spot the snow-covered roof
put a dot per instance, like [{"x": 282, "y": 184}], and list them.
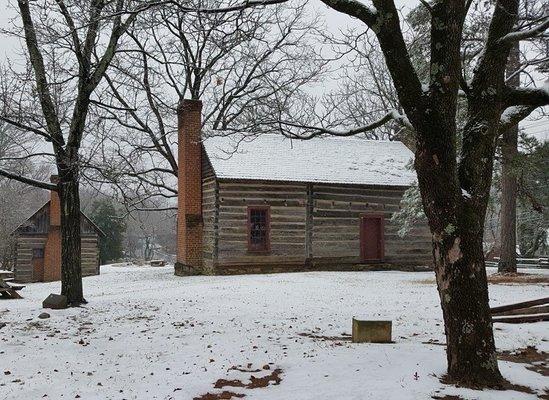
[{"x": 323, "y": 159}]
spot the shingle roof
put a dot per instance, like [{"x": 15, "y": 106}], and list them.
[{"x": 324, "y": 159}]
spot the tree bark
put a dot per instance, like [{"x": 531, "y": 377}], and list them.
[
  {"x": 71, "y": 267},
  {"x": 455, "y": 193},
  {"x": 463, "y": 290},
  {"x": 456, "y": 220},
  {"x": 509, "y": 151}
]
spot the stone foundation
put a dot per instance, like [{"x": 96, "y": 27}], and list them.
[
  {"x": 281, "y": 268},
  {"x": 181, "y": 269}
]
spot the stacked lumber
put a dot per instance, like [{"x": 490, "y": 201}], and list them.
[{"x": 523, "y": 312}]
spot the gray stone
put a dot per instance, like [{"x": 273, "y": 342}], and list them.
[
  {"x": 44, "y": 315},
  {"x": 55, "y": 302}
]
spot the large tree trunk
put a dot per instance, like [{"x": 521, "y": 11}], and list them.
[
  {"x": 456, "y": 219},
  {"x": 509, "y": 150},
  {"x": 463, "y": 290},
  {"x": 71, "y": 270}
]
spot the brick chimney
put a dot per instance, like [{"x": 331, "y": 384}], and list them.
[
  {"x": 189, "y": 209},
  {"x": 55, "y": 204},
  {"x": 52, "y": 248}
]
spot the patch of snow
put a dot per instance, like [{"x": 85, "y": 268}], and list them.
[
  {"x": 545, "y": 87},
  {"x": 147, "y": 334},
  {"x": 465, "y": 193}
]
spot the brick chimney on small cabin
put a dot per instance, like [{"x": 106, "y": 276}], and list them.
[
  {"x": 52, "y": 248},
  {"x": 189, "y": 198},
  {"x": 55, "y": 204}
]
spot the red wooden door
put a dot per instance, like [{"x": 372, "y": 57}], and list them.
[
  {"x": 38, "y": 265},
  {"x": 371, "y": 238}
]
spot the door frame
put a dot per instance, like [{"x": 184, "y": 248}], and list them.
[{"x": 381, "y": 243}]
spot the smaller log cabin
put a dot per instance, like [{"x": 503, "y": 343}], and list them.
[
  {"x": 270, "y": 204},
  {"x": 38, "y": 241}
]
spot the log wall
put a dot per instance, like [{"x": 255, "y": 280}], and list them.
[
  {"x": 90, "y": 255},
  {"x": 23, "y": 263},
  {"x": 336, "y": 225},
  {"x": 313, "y": 226},
  {"x": 287, "y": 229},
  {"x": 23, "y": 271},
  {"x": 210, "y": 213}
]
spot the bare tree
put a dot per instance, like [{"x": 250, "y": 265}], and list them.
[
  {"x": 69, "y": 46},
  {"x": 530, "y": 11},
  {"x": 241, "y": 63},
  {"x": 454, "y": 181},
  {"x": 367, "y": 92},
  {"x": 17, "y": 200},
  {"x": 509, "y": 151}
]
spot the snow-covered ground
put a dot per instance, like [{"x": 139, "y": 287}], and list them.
[{"x": 147, "y": 334}]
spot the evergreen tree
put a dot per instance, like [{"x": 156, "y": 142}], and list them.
[
  {"x": 106, "y": 217},
  {"x": 533, "y": 185}
]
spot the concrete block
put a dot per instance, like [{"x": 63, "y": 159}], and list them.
[{"x": 365, "y": 331}]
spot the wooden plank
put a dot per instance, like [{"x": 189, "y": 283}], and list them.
[
  {"x": 525, "y": 311},
  {"x": 259, "y": 260},
  {"x": 246, "y": 185},
  {"x": 242, "y": 247},
  {"x": 9, "y": 293},
  {"x": 231, "y": 220},
  {"x": 331, "y": 201},
  {"x": 272, "y": 202},
  {"x": 259, "y": 196},
  {"x": 344, "y": 214},
  {"x": 521, "y": 319},
  {"x": 337, "y": 237},
  {"x": 240, "y": 212},
  {"x": 345, "y": 188},
  {"x": 516, "y": 306}
]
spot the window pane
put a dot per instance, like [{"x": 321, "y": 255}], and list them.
[
  {"x": 258, "y": 229},
  {"x": 37, "y": 253}
]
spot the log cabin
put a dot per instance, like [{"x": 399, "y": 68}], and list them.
[
  {"x": 271, "y": 204},
  {"x": 38, "y": 244}
]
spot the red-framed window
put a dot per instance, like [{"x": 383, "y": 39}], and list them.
[
  {"x": 259, "y": 228},
  {"x": 372, "y": 237}
]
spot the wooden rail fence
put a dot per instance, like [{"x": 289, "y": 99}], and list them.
[{"x": 523, "y": 312}]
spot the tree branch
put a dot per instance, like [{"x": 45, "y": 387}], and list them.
[
  {"x": 37, "y": 61},
  {"x": 39, "y": 132},
  {"x": 392, "y": 115},
  {"x": 527, "y": 34},
  {"x": 28, "y": 181},
  {"x": 386, "y": 25},
  {"x": 355, "y": 9},
  {"x": 513, "y": 115},
  {"x": 535, "y": 97}
]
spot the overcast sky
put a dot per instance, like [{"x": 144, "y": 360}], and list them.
[{"x": 9, "y": 47}]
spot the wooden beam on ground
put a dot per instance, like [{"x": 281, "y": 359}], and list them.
[
  {"x": 522, "y": 319},
  {"x": 516, "y": 306},
  {"x": 525, "y": 311}
]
